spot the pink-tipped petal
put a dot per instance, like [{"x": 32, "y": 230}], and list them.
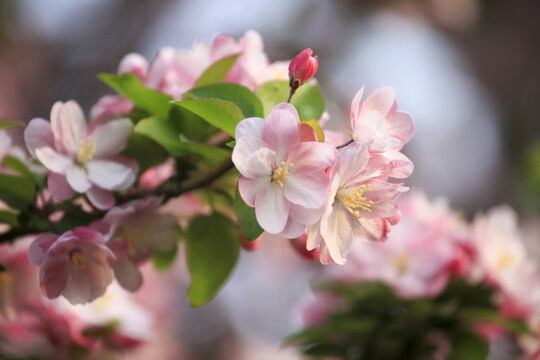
[
  {"x": 355, "y": 105},
  {"x": 401, "y": 127},
  {"x": 382, "y": 100},
  {"x": 248, "y": 189},
  {"x": 37, "y": 252},
  {"x": 59, "y": 187},
  {"x": 307, "y": 187},
  {"x": 312, "y": 154},
  {"x": 54, "y": 277},
  {"x": 135, "y": 64}
]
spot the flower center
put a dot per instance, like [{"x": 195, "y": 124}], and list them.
[
  {"x": 402, "y": 263},
  {"x": 77, "y": 258},
  {"x": 86, "y": 150},
  {"x": 505, "y": 260},
  {"x": 353, "y": 200},
  {"x": 138, "y": 238},
  {"x": 280, "y": 173}
]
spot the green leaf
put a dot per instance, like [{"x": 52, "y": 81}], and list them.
[
  {"x": 163, "y": 260},
  {"x": 493, "y": 316},
  {"x": 248, "y": 102},
  {"x": 308, "y": 99},
  {"x": 222, "y": 114},
  {"x": 314, "y": 124},
  {"x": 6, "y": 124},
  {"x": 146, "y": 151},
  {"x": 129, "y": 86},
  {"x": 218, "y": 71},
  {"x": 16, "y": 191},
  {"x": 15, "y": 164},
  {"x": 466, "y": 345},
  {"x": 7, "y": 217},
  {"x": 212, "y": 249},
  {"x": 165, "y": 133},
  {"x": 246, "y": 217}
]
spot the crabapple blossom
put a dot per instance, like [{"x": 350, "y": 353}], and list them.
[
  {"x": 282, "y": 177},
  {"x": 503, "y": 261},
  {"x": 75, "y": 264},
  {"x": 133, "y": 231},
  {"x": 302, "y": 68},
  {"x": 418, "y": 258},
  {"x": 359, "y": 206},
  {"x": 80, "y": 159},
  {"x": 376, "y": 120}
]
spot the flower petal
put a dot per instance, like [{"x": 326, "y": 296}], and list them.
[
  {"x": 37, "y": 252},
  {"x": 355, "y": 105},
  {"x": 101, "y": 198},
  {"x": 382, "y": 100},
  {"x": 68, "y": 126},
  {"x": 271, "y": 208},
  {"x": 54, "y": 276},
  {"x": 282, "y": 129},
  {"x": 78, "y": 179},
  {"x": 250, "y": 127},
  {"x": 307, "y": 187},
  {"x": 312, "y": 154},
  {"x": 337, "y": 232},
  {"x": 53, "y": 160},
  {"x": 293, "y": 229},
  {"x": 248, "y": 189},
  {"x": 38, "y": 134},
  {"x": 110, "y": 138},
  {"x": 108, "y": 174},
  {"x": 59, "y": 187},
  {"x": 127, "y": 274},
  {"x": 245, "y": 147}
]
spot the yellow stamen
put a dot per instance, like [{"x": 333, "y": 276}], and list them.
[
  {"x": 402, "y": 263},
  {"x": 280, "y": 174},
  {"x": 77, "y": 258},
  {"x": 86, "y": 150},
  {"x": 354, "y": 200},
  {"x": 505, "y": 260}
]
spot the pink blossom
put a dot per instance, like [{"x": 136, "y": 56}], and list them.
[
  {"x": 133, "y": 231},
  {"x": 504, "y": 263},
  {"x": 75, "y": 264},
  {"x": 79, "y": 159},
  {"x": 302, "y": 68},
  {"x": 299, "y": 245},
  {"x": 282, "y": 177},
  {"x": 360, "y": 205},
  {"x": 376, "y": 120},
  {"x": 156, "y": 175},
  {"x": 417, "y": 259}
]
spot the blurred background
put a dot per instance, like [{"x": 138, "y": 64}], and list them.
[{"x": 467, "y": 70}]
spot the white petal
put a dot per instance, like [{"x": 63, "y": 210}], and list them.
[
  {"x": 271, "y": 208},
  {"x": 107, "y": 174},
  {"x": 77, "y": 179},
  {"x": 110, "y": 138},
  {"x": 53, "y": 160}
]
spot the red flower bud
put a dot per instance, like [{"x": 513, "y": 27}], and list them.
[
  {"x": 250, "y": 245},
  {"x": 299, "y": 244},
  {"x": 302, "y": 68}
]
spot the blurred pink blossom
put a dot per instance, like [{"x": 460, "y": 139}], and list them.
[
  {"x": 133, "y": 231},
  {"x": 75, "y": 264}
]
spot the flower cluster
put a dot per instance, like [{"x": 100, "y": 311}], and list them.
[
  {"x": 104, "y": 195},
  {"x": 341, "y": 195},
  {"x": 432, "y": 247}
]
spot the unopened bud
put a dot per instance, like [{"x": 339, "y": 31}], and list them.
[
  {"x": 302, "y": 68},
  {"x": 250, "y": 245},
  {"x": 299, "y": 244}
]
